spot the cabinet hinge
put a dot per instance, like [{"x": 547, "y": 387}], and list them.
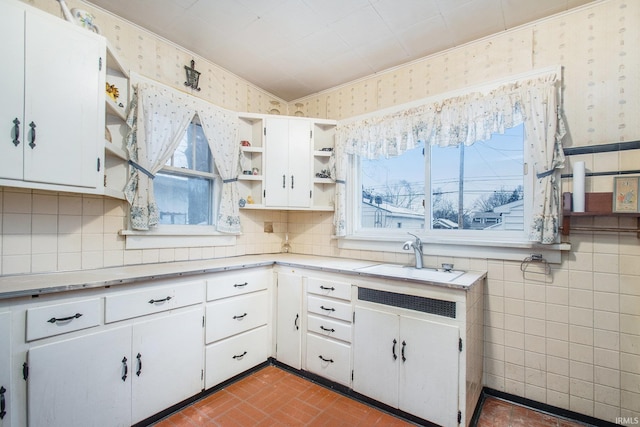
[
  {"x": 98, "y": 164},
  {"x": 459, "y": 417},
  {"x": 100, "y": 64},
  {"x": 459, "y": 344},
  {"x": 25, "y": 371}
]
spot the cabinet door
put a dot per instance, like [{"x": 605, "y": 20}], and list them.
[
  {"x": 166, "y": 361},
  {"x": 376, "y": 354},
  {"x": 299, "y": 164},
  {"x": 429, "y": 358},
  {"x": 6, "y": 390},
  {"x": 81, "y": 381},
  {"x": 65, "y": 102},
  {"x": 12, "y": 89},
  {"x": 276, "y": 162},
  {"x": 288, "y": 163},
  {"x": 289, "y": 318}
]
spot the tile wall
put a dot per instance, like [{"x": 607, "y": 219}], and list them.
[{"x": 569, "y": 339}]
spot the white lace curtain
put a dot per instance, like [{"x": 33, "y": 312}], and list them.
[
  {"x": 159, "y": 117},
  {"x": 465, "y": 120}
]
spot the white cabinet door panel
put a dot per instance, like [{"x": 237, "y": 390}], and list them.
[
  {"x": 63, "y": 98},
  {"x": 299, "y": 164},
  {"x": 166, "y": 361},
  {"x": 289, "y": 320},
  {"x": 429, "y": 372},
  {"x": 12, "y": 89},
  {"x": 6, "y": 389},
  {"x": 81, "y": 381},
  {"x": 376, "y": 355}
]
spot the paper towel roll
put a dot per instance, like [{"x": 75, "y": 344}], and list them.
[{"x": 578, "y": 187}]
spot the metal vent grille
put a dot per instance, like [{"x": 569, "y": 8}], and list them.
[{"x": 411, "y": 302}]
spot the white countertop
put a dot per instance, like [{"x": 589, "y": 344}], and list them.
[{"x": 12, "y": 286}]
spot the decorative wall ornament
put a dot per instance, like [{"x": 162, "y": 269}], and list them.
[{"x": 193, "y": 76}]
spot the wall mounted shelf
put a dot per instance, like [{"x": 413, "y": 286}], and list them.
[{"x": 596, "y": 204}]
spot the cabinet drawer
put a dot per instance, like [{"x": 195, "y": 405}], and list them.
[
  {"x": 329, "y": 359},
  {"x": 61, "y": 318},
  {"x": 329, "y": 328},
  {"x": 330, "y": 308},
  {"x": 235, "y": 315},
  {"x": 329, "y": 288},
  {"x": 225, "y": 285},
  {"x": 235, "y": 355},
  {"x": 153, "y": 300}
]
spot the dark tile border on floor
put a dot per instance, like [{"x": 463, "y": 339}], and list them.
[{"x": 542, "y": 407}]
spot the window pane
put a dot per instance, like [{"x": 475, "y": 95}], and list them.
[
  {"x": 185, "y": 157},
  {"x": 203, "y": 155},
  {"x": 486, "y": 193},
  {"x": 183, "y": 200},
  {"x": 393, "y": 191}
]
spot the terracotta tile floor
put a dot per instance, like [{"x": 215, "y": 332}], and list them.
[{"x": 274, "y": 397}]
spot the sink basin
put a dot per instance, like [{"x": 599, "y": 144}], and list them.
[{"x": 408, "y": 272}]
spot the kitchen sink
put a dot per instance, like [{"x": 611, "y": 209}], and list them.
[{"x": 410, "y": 272}]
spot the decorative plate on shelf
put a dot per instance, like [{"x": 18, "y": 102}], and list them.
[{"x": 85, "y": 20}]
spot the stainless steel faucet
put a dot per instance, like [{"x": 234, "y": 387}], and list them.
[{"x": 417, "y": 249}]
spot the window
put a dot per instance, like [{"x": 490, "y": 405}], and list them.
[
  {"x": 478, "y": 189},
  {"x": 184, "y": 187}
]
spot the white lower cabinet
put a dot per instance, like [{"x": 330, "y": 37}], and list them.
[
  {"x": 5, "y": 374},
  {"x": 407, "y": 363},
  {"x": 289, "y": 319},
  {"x": 237, "y": 334},
  {"x": 119, "y": 376}
]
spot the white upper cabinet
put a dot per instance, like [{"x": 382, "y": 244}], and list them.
[
  {"x": 288, "y": 159},
  {"x": 52, "y": 114}
]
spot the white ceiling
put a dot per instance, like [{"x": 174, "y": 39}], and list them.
[{"x": 294, "y": 48}]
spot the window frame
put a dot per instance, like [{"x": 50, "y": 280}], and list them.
[
  {"x": 183, "y": 235},
  {"x": 504, "y": 245}
]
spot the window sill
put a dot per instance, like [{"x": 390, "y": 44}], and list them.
[
  {"x": 161, "y": 239},
  {"x": 509, "y": 250}
]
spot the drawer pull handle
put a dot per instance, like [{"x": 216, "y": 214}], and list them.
[
  {"x": 139, "y": 371},
  {"x": 240, "y": 356},
  {"x": 324, "y": 288},
  {"x": 239, "y": 317},
  {"x": 295, "y": 322},
  {"x": 3, "y": 404},
  {"x": 125, "y": 369},
  {"x": 327, "y": 309},
  {"x": 325, "y": 360},
  {"x": 327, "y": 329},
  {"x": 64, "y": 319},
  {"x": 404, "y": 344},
  {"x": 154, "y": 301},
  {"x": 393, "y": 349},
  {"x": 240, "y": 285}
]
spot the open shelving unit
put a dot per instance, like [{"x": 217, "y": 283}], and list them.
[{"x": 596, "y": 205}]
